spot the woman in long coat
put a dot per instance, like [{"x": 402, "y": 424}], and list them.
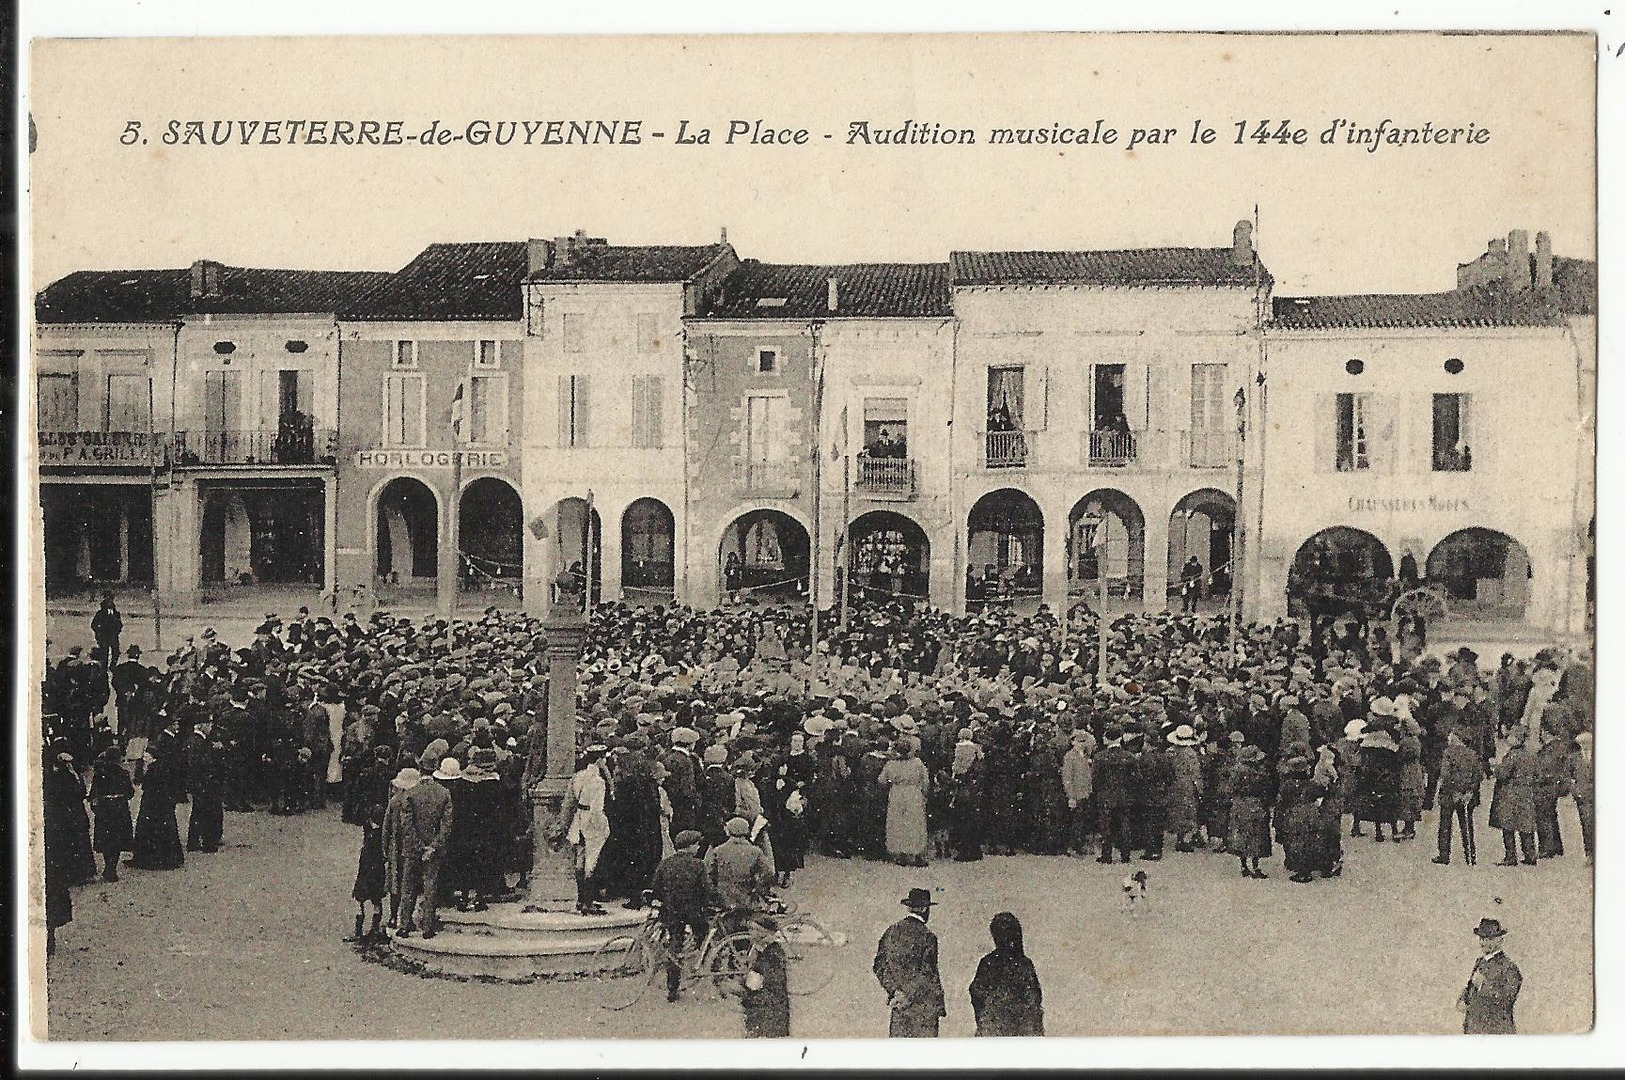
[
  {"x": 110, "y": 795},
  {"x": 832, "y": 796},
  {"x": 1297, "y": 817},
  {"x": 157, "y": 834},
  {"x": 1219, "y": 777},
  {"x": 1249, "y": 812},
  {"x": 1185, "y": 793},
  {"x": 64, "y": 793},
  {"x": 474, "y": 862},
  {"x": 904, "y": 778},
  {"x": 1512, "y": 805},
  {"x": 1005, "y": 995},
  {"x": 1376, "y": 780}
]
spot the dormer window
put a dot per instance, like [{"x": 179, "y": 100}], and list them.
[{"x": 767, "y": 361}]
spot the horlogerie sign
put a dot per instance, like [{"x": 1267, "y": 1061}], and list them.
[{"x": 430, "y": 459}]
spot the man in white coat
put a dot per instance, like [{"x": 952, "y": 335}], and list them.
[{"x": 588, "y": 826}]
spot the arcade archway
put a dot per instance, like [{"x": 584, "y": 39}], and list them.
[
  {"x": 1485, "y": 573},
  {"x": 578, "y": 542},
  {"x": 1106, "y": 534},
  {"x": 764, "y": 554},
  {"x": 1005, "y": 550},
  {"x": 648, "y": 545},
  {"x": 1202, "y": 526},
  {"x": 890, "y": 558},
  {"x": 408, "y": 533},
  {"x": 1339, "y": 567},
  {"x": 491, "y": 537}
]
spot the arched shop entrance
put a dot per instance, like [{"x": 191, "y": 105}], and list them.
[
  {"x": 1005, "y": 549},
  {"x": 1341, "y": 566},
  {"x": 1485, "y": 574},
  {"x": 890, "y": 558},
  {"x": 1106, "y": 533},
  {"x": 1202, "y": 526},
  {"x": 408, "y": 534},
  {"x": 491, "y": 538},
  {"x": 765, "y": 556},
  {"x": 648, "y": 544},
  {"x": 578, "y": 542}
]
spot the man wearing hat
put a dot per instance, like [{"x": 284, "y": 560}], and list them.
[
  {"x": 587, "y": 828},
  {"x": 906, "y": 965},
  {"x": 738, "y": 871},
  {"x": 425, "y": 827},
  {"x": 1491, "y": 993},
  {"x": 680, "y": 886}
]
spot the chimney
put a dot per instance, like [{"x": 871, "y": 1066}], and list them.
[
  {"x": 724, "y": 239},
  {"x": 205, "y": 279},
  {"x": 1517, "y": 265},
  {"x": 1241, "y": 244},
  {"x": 834, "y": 298},
  {"x": 1543, "y": 260},
  {"x": 538, "y": 255}
]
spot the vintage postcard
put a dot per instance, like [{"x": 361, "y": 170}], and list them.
[{"x": 821, "y": 537}]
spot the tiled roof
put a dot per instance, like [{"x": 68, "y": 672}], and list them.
[
  {"x": 1134, "y": 266},
  {"x": 164, "y": 295},
  {"x": 863, "y": 290},
  {"x": 619, "y": 263},
  {"x": 1479, "y": 307},
  {"x": 451, "y": 282}
]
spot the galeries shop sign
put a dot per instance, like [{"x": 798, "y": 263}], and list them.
[
  {"x": 430, "y": 459},
  {"x": 1431, "y": 504},
  {"x": 99, "y": 447}
]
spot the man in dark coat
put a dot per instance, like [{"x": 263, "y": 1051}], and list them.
[
  {"x": 906, "y": 965},
  {"x": 717, "y": 795},
  {"x": 204, "y": 771},
  {"x": 1114, "y": 776},
  {"x": 1488, "y": 998},
  {"x": 1461, "y": 775},
  {"x": 682, "y": 780},
  {"x": 129, "y": 676}
]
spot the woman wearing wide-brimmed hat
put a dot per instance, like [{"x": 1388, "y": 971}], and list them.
[
  {"x": 1376, "y": 779},
  {"x": 1185, "y": 792}
]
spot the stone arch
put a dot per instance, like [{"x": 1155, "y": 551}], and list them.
[
  {"x": 765, "y": 552},
  {"x": 406, "y": 542},
  {"x": 648, "y": 550},
  {"x": 1004, "y": 548},
  {"x": 1485, "y": 573},
  {"x": 1123, "y": 560},
  {"x": 490, "y": 535},
  {"x": 1203, "y": 524},
  {"x": 890, "y": 555}
]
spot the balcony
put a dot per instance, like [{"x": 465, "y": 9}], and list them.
[
  {"x": 886, "y": 478},
  {"x": 289, "y": 446},
  {"x": 1450, "y": 459},
  {"x": 1006, "y": 449},
  {"x": 1209, "y": 449},
  {"x": 101, "y": 449},
  {"x": 1111, "y": 449},
  {"x": 774, "y": 479}
]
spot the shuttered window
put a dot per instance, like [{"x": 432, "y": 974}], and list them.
[
  {"x": 575, "y": 331},
  {"x": 647, "y": 412},
  {"x": 488, "y": 409},
  {"x": 403, "y": 410},
  {"x": 58, "y": 403},
  {"x": 222, "y": 401},
  {"x": 129, "y": 403}
]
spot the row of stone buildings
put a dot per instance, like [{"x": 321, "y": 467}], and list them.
[{"x": 687, "y": 423}]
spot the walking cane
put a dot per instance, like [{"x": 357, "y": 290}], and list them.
[{"x": 1469, "y": 847}]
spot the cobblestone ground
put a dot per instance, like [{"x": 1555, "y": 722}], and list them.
[{"x": 245, "y": 944}]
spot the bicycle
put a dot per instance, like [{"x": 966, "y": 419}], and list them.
[
  {"x": 809, "y": 948},
  {"x": 626, "y": 966}
]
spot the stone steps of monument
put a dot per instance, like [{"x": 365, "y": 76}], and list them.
[{"x": 508, "y": 942}]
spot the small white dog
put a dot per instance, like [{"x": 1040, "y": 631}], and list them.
[{"x": 1136, "y": 896}]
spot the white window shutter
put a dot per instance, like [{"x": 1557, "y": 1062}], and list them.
[
  {"x": 1385, "y": 433},
  {"x": 1135, "y": 394},
  {"x": 1038, "y": 410}
]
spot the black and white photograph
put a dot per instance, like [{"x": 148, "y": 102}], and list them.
[{"x": 707, "y": 537}]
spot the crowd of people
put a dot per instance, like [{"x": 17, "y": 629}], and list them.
[{"x": 907, "y": 734}]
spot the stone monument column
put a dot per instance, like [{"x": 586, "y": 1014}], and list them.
[{"x": 552, "y": 875}]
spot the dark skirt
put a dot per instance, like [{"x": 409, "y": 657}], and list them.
[
  {"x": 157, "y": 836},
  {"x": 1250, "y": 828},
  {"x": 114, "y": 831},
  {"x": 369, "y": 871}
]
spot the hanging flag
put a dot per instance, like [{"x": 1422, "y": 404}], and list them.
[{"x": 457, "y": 412}]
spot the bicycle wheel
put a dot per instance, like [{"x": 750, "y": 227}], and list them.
[
  {"x": 726, "y": 962},
  {"x": 810, "y": 952},
  {"x": 623, "y": 967}
]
